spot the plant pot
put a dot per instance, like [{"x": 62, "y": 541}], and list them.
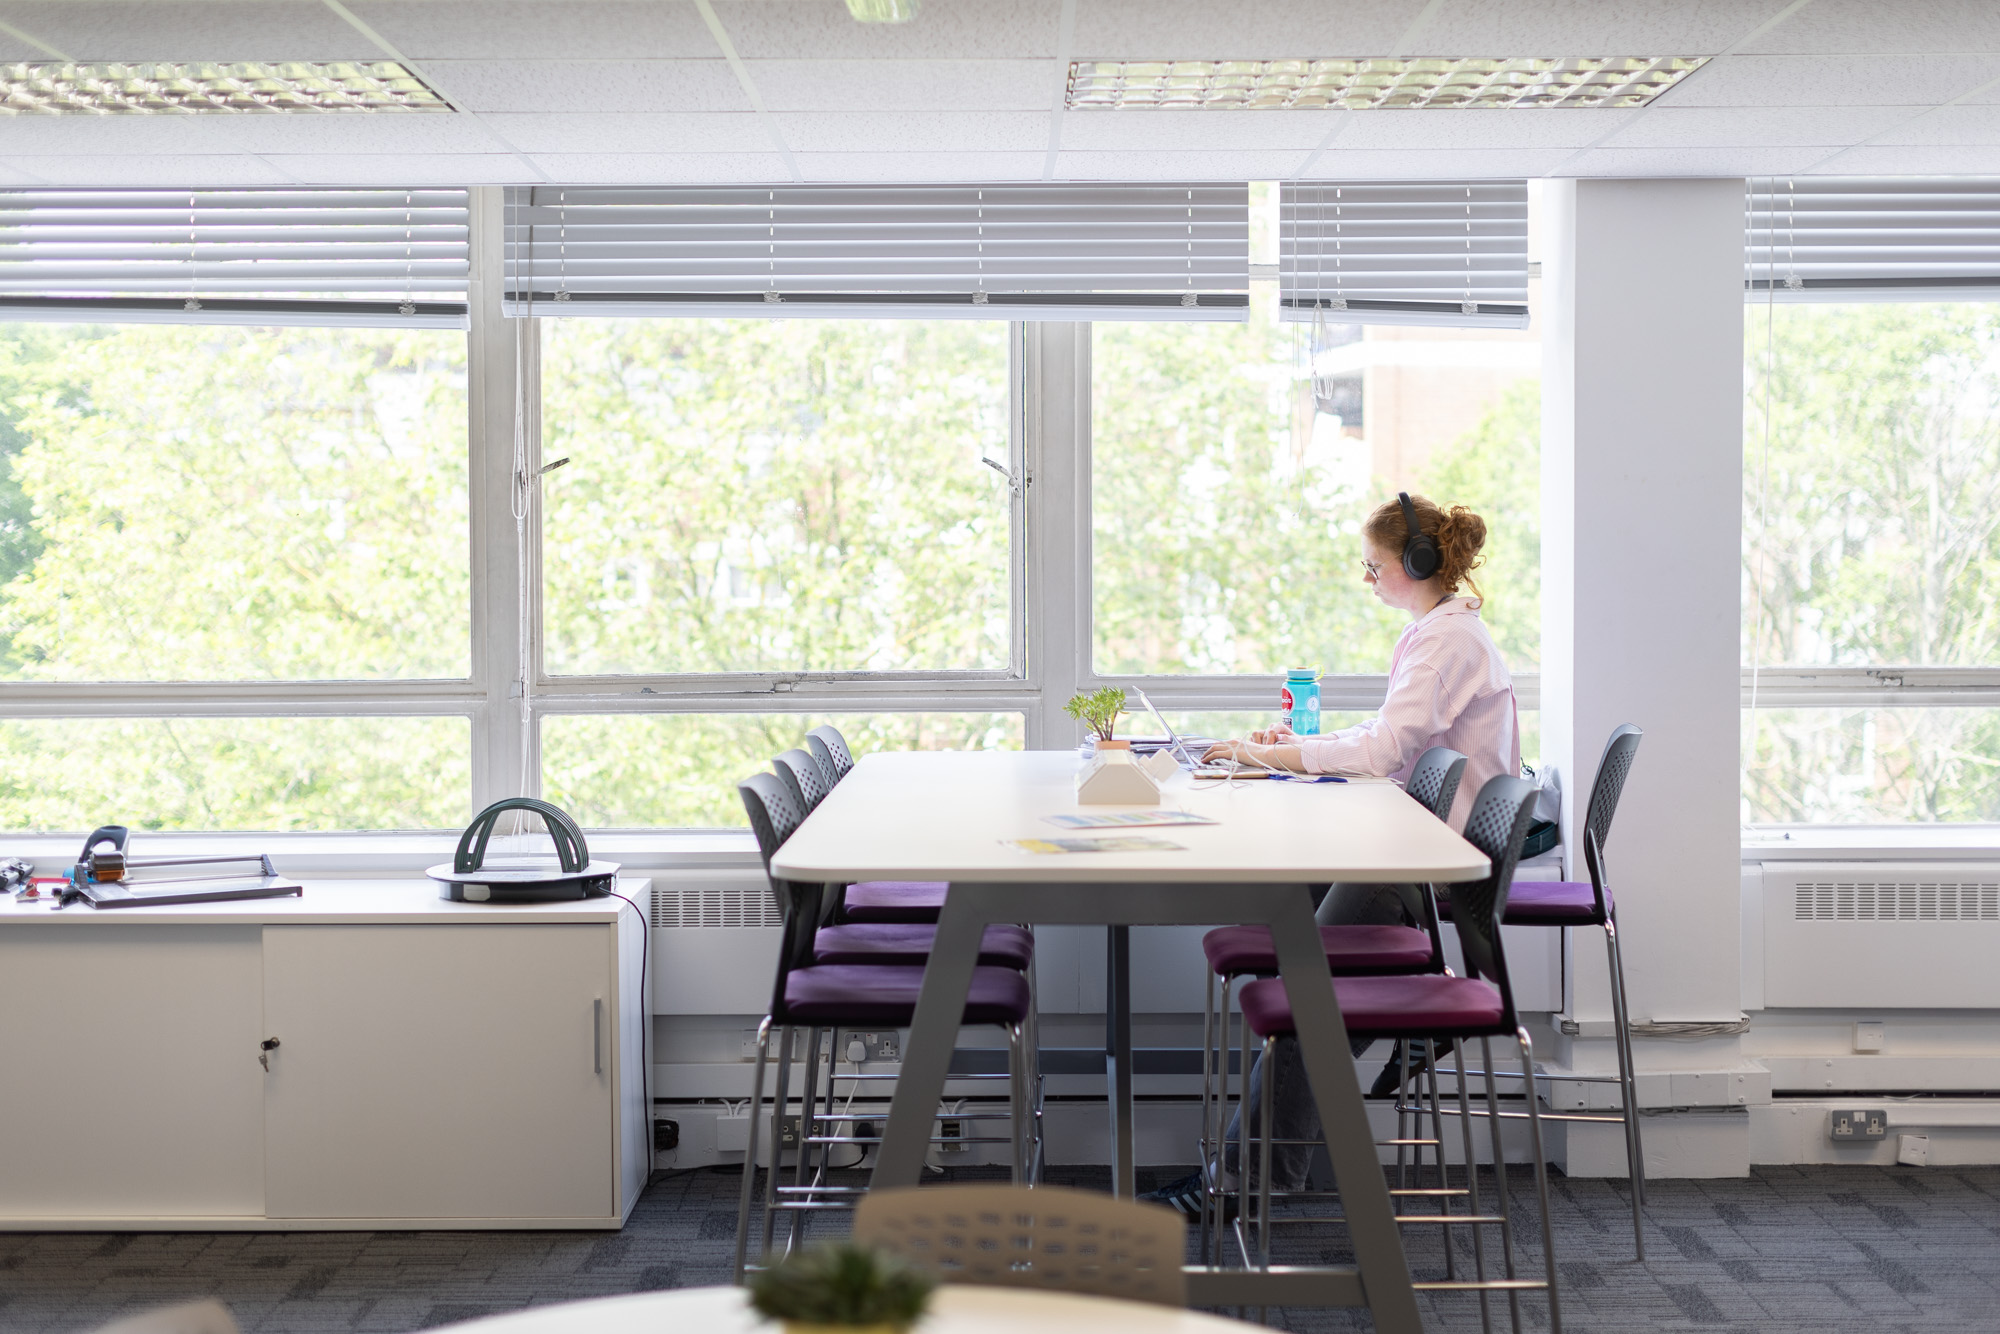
[
  {"x": 806, "y": 1327},
  {"x": 1116, "y": 743}
]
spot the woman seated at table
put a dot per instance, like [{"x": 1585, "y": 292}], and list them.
[{"x": 1448, "y": 686}]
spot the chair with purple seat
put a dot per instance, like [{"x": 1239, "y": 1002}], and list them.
[
  {"x": 1235, "y": 952},
  {"x": 1438, "y": 1005},
  {"x": 830, "y": 997},
  {"x": 904, "y": 901},
  {"x": 1583, "y": 904}
]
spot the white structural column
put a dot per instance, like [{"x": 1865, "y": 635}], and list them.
[{"x": 1642, "y": 513}]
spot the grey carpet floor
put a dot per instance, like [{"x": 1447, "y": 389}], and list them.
[{"x": 1821, "y": 1249}]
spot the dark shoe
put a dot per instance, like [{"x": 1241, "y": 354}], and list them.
[
  {"x": 1390, "y": 1082},
  {"x": 1184, "y": 1197}
]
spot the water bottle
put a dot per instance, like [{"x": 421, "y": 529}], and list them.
[{"x": 1298, "y": 700}]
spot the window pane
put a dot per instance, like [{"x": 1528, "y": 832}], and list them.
[
  {"x": 1872, "y": 766},
  {"x": 775, "y": 495},
  {"x": 1227, "y": 495},
  {"x": 674, "y": 770},
  {"x": 236, "y": 773},
  {"x": 185, "y": 503},
  {"x": 1872, "y": 485}
]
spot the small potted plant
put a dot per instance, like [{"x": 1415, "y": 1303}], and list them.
[
  {"x": 1099, "y": 712},
  {"x": 841, "y": 1287}
]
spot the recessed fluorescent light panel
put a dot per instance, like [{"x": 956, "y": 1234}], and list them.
[
  {"x": 201, "y": 87},
  {"x": 1374, "y": 85}
]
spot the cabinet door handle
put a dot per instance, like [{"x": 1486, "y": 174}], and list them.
[{"x": 597, "y": 1035}]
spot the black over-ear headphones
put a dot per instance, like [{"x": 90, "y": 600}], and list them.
[{"x": 1420, "y": 550}]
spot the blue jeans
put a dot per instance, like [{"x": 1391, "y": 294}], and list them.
[{"x": 1293, "y": 1112}]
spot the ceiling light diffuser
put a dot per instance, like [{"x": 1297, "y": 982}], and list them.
[
  {"x": 1418, "y": 83},
  {"x": 208, "y": 87},
  {"x": 882, "y": 11}
]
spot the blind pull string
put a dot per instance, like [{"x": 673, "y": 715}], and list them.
[
  {"x": 1468, "y": 306},
  {"x": 193, "y": 302},
  {"x": 771, "y": 246},
  {"x": 979, "y": 289},
  {"x": 1188, "y": 298},
  {"x": 562, "y": 245},
  {"x": 409, "y": 306},
  {"x": 1339, "y": 255},
  {"x": 1792, "y": 280}
]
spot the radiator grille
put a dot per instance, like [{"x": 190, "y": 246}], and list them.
[
  {"x": 714, "y": 906},
  {"x": 1901, "y": 901}
]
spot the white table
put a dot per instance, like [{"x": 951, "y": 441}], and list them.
[
  {"x": 954, "y": 1310},
  {"x": 949, "y": 815}
]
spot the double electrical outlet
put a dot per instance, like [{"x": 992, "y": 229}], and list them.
[
  {"x": 855, "y": 1048},
  {"x": 1848, "y": 1126}
]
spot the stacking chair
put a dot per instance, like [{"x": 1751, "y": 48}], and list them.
[
  {"x": 1576, "y": 903},
  {"x": 1050, "y": 1238},
  {"x": 1235, "y": 952},
  {"x": 1439, "y": 1005},
  {"x": 820, "y": 996},
  {"x": 910, "y": 902}
]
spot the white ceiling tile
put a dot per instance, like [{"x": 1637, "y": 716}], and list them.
[
  {"x": 1830, "y": 81},
  {"x": 1650, "y": 162},
  {"x": 190, "y": 29},
  {"x": 1087, "y": 131},
  {"x": 1756, "y": 127},
  {"x": 10, "y": 175},
  {"x": 122, "y": 135},
  {"x": 357, "y": 134},
  {"x": 1244, "y": 30},
  {"x": 1186, "y": 166},
  {"x": 1479, "y": 128},
  {"x": 170, "y": 169},
  {"x": 405, "y": 168},
  {"x": 611, "y": 132},
  {"x": 540, "y": 29},
  {"x": 942, "y": 30},
  {"x": 915, "y": 131},
  {"x": 1907, "y": 160},
  {"x": 1590, "y": 27},
  {"x": 662, "y": 168},
  {"x": 1966, "y": 124},
  {"x": 904, "y": 85},
  {"x": 1344, "y": 164},
  {"x": 922, "y": 166},
  {"x": 589, "y": 85},
  {"x": 1872, "y": 27},
  {"x": 13, "y": 48}
]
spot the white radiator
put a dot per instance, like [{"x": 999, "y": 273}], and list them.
[{"x": 1885, "y": 935}]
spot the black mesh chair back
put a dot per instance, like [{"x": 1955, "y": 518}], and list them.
[
  {"x": 1498, "y": 821},
  {"x": 828, "y": 771},
  {"x": 799, "y": 770},
  {"x": 1612, "y": 770},
  {"x": 836, "y": 746},
  {"x": 774, "y": 815},
  {"x": 1434, "y": 780}
]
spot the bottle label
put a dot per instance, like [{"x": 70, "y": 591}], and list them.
[{"x": 1284, "y": 706}]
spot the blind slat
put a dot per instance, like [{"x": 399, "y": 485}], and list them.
[
  {"x": 1057, "y": 247},
  {"x": 296, "y": 251},
  {"x": 1871, "y": 238},
  {"x": 1402, "y": 252}
]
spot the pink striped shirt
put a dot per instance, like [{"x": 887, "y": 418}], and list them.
[{"x": 1448, "y": 686}]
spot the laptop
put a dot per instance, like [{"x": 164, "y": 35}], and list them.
[{"x": 1183, "y": 753}]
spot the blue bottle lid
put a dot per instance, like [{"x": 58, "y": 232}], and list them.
[{"x": 1302, "y": 673}]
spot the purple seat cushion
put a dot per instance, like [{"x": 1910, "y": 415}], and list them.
[
  {"x": 906, "y": 943},
  {"x": 1415, "y": 1004},
  {"x": 894, "y": 901},
  {"x": 845, "y": 994},
  {"x": 1349, "y": 949},
  {"x": 1545, "y": 903}
]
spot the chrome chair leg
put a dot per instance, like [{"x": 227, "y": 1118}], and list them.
[
  {"x": 1438, "y": 1154},
  {"x": 1264, "y": 1170},
  {"x": 1472, "y": 1191},
  {"x": 1203, "y": 1140},
  {"x": 808, "y": 1103},
  {"x": 1500, "y": 1180},
  {"x": 750, "y": 1158},
  {"x": 785, "y": 1040},
  {"x": 1635, "y": 1153},
  {"x": 1541, "y": 1178}
]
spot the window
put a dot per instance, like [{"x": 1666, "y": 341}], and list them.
[
  {"x": 187, "y": 504},
  {"x": 1872, "y": 521}
]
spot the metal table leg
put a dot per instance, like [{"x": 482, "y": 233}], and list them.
[{"x": 1118, "y": 1054}]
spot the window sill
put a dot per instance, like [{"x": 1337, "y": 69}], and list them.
[
  {"x": 402, "y": 854},
  {"x": 1888, "y": 842}
]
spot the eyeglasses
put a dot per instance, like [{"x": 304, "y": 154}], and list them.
[{"x": 1373, "y": 569}]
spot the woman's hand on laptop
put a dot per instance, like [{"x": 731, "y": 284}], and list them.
[
  {"x": 1255, "y": 754},
  {"x": 1276, "y": 735}
]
